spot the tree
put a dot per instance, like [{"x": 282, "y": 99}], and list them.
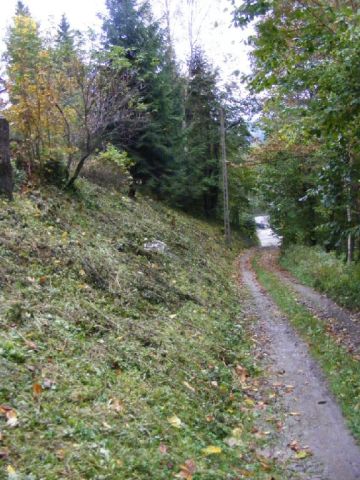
[
  {"x": 6, "y": 183},
  {"x": 197, "y": 174},
  {"x": 22, "y": 9},
  {"x": 66, "y": 100},
  {"x": 306, "y": 57},
  {"x": 131, "y": 26}
]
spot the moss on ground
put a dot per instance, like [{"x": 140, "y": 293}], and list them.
[{"x": 117, "y": 362}]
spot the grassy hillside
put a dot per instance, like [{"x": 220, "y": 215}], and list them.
[{"x": 118, "y": 363}]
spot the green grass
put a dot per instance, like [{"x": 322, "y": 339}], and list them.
[
  {"x": 120, "y": 340},
  {"x": 326, "y": 272},
  {"x": 341, "y": 370}
]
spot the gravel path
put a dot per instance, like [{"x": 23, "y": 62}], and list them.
[
  {"x": 312, "y": 417},
  {"x": 345, "y": 324}
]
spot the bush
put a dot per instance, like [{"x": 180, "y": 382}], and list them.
[
  {"x": 110, "y": 168},
  {"x": 325, "y": 272}
]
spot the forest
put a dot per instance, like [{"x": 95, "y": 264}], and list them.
[
  {"x": 147, "y": 333},
  {"x": 79, "y": 103}
]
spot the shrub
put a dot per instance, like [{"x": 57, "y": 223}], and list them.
[
  {"x": 326, "y": 272},
  {"x": 110, "y": 168}
]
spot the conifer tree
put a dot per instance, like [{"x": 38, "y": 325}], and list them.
[
  {"x": 197, "y": 174},
  {"x": 130, "y": 25}
]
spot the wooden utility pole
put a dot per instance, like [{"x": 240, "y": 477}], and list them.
[
  {"x": 225, "y": 180},
  {"x": 6, "y": 182}
]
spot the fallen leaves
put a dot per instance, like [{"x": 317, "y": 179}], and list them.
[
  {"x": 4, "y": 453},
  {"x": 211, "y": 450},
  {"x": 163, "y": 449},
  {"x": 235, "y": 439},
  {"x": 37, "y": 389},
  {"x": 189, "y": 387},
  {"x": 10, "y": 415},
  {"x": 300, "y": 452},
  {"x": 116, "y": 405},
  {"x": 242, "y": 373},
  {"x": 12, "y": 475},
  {"x": 187, "y": 470},
  {"x": 175, "y": 421}
]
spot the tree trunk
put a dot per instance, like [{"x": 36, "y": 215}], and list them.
[
  {"x": 78, "y": 169},
  {"x": 6, "y": 181},
  {"x": 350, "y": 243}
]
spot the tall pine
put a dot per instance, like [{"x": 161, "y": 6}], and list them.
[
  {"x": 131, "y": 26},
  {"x": 198, "y": 173}
]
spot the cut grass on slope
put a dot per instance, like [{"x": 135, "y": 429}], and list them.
[
  {"x": 119, "y": 363},
  {"x": 341, "y": 370}
]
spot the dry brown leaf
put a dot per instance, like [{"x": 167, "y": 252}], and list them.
[
  {"x": 294, "y": 445},
  {"x": 116, "y": 405},
  {"x": 244, "y": 473},
  {"x": 4, "y": 453},
  {"x": 12, "y": 420},
  {"x": 4, "y": 409},
  {"x": 31, "y": 345},
  {"x": 187, "y": 470},
  {"x": 60, "y": 454},
  {"x": 37, "y": 389},
  {"x": 242, "y": 373}
]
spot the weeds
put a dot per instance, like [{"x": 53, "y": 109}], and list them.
[
  {"x": 326, "y": 272},
  {"x": 102, "y": 343}
]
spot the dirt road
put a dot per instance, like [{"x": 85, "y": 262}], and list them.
[
  {"x": 344, "y": 324},
  {"x": 312, "y": 419}
]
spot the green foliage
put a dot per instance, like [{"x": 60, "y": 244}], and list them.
[
  {"x": 283, "y": 184},
  {"x": 326, "y": 272},
  {"x": 196, "y": 181},
  {"x": 111, "y": 156},
  {"x": 341, "y": 369},
  {"x": 121, "y": 340},
  {"x": 307, "y": 60},
  {"x": 132, "y": 27},
  {"x": 114, "y": 156}
]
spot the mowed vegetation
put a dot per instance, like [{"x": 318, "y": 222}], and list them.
[{"x": 118, "y": 362}]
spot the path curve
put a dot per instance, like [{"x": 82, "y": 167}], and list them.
[
  {"x": 344, "y": 323},
  {"x": 320, "y": 424}
]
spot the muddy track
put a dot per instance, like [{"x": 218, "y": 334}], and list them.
[
  {"x": 312, "y": 417},
  {"x": 344, "y": 324}
]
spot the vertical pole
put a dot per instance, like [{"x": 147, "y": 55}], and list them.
[
  {"x": 6, "y": 182},
  {"x": 225, "y": 180}
]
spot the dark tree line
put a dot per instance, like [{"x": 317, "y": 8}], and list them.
[{"x": 69, "y": 102}]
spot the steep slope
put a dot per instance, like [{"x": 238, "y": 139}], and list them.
[{"x": 118, "y": 362}]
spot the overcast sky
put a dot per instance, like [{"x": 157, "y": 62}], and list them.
[{"x": 223, "y": 43}]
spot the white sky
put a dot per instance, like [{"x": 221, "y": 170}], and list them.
[{"x": 223, "y": 43}]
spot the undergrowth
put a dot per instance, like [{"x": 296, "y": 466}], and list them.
[
  {"x": 118, "y": 362},
  {"x": 341, "y": 369},
  {"x": 326, "y": 272}
]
